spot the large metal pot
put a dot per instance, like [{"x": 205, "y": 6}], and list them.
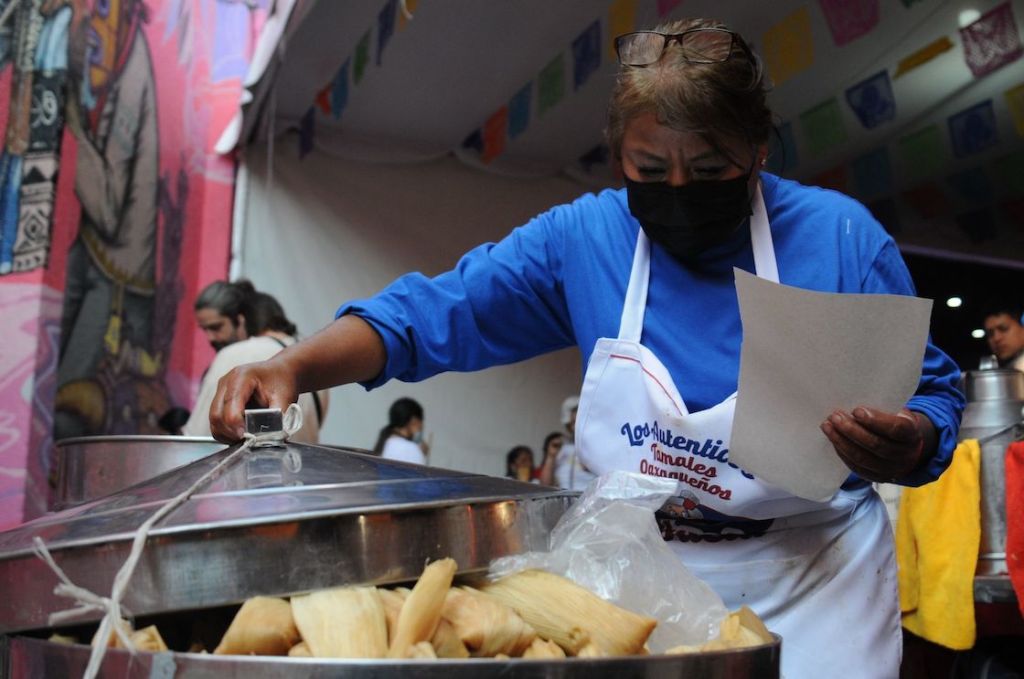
[
  {"x": 279, "y": 521},
  {"x": 995, "y": 399},
  {"x": 91, "y": 467}
]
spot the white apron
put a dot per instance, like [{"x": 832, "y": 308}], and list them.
[{"x": 821, "y": 574}]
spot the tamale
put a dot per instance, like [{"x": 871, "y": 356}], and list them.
[
  {"x": 300, "y": 650},
  {"x": 543, "y": 649},
  {"x": 445, "y": 641},
  {"x": 421, "y": 650},
  {"x": 62, "y": 639},
  {"x": 486, "y": 626},
  {"x": 149, "y": 639},
  {"x": 262, "y": 626},
  {"x": 591, "y": 651},
  {"x": 345, "y": 622},
  {"x": 739, "y": 629},
  {"x": 570, "y": 615},
  {"x": 421, "y": 611}
]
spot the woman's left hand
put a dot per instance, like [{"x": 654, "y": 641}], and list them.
[{"x": 881, "y": 446}]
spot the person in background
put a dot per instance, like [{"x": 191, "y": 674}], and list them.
[
  {"x": 570, "y": 472},
  {"x": 1005, "y": 334},
  {"x": 519, "y": 464},
  {"x": 642, "y": 279},
  {"x": 402, "y": 437},
  {"x": 552, "y": 445},
  {"x": 248, "y": 326},
  {"x": 220, "y": 312}
]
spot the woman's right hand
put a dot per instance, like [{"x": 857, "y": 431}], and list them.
[{"x": 268, "y": 384}]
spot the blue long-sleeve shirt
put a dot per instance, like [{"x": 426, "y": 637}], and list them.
[{"x": 560, "y": 280}]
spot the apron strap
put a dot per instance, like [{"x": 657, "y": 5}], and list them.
[{"x": 632, "y": 324}]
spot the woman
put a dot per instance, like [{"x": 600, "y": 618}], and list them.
[
  {"x": 641, "y": 279},
  {"x": 519, "y": 464},
  {"x": 401, "y": 438}
]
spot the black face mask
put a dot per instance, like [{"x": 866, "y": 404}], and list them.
[{"x": 693, "y": 218}]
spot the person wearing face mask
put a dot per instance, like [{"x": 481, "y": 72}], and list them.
[
  {"x": 402, "y": 437},
  {"x": 641, "y": 280}
]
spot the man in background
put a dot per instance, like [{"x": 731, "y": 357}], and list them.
[{"x": 1005, "y": 334}]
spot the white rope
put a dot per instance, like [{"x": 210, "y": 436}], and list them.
[{"x": 89, "y": 602}]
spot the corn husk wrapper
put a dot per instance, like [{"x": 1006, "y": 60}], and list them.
[
  {"x": 486, "y": 626},
  {"x": 300, "y": 650},
  {"x": 543, "y": 649},
  {"x": 149, "y": 639},
  {"x": 445, "y": 642},
  {"x": 739, "y": 629},
  {"x": 263, "y": 626},
  {"x": 421, "y": 612},
  {"x": 345, "y": 622},
  {"x": 62, "y": 639},
  {"x": 421, "y": 651},
  {"x": 571, "y": 616}
]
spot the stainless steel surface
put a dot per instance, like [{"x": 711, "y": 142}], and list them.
[
  {"x": 994, "y": 589},
  {"x": 995, "y": 399},
  {"x": 27, "y": 657},
  {"x": 994, "y": 385},
  {"x": 277, "y": 521},
  {"x": 95, "y": 466}
]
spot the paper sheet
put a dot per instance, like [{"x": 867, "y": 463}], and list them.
[{"x": 806, "y": 354}]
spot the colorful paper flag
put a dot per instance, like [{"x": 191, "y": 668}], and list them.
[
  {"x": 361, "y": 58},
  {"x": 782, "y": 154},
  {"x": 1009, "y": 172},
  {"x": 973, "y": 129},
  {"x": 307, "y": 128},
  {"x": 788, "y": 47},
  {"x": 979, "y": 225},
  {"x": 923, "y": 55},
  {"x": 972, "y": 185},
  {"x": 586, "y": 54},
  {"x": 887, "y": 213},
  {"x": 992, "y": 41},
  {"x": 823, "y": 126},
  {"x": 1015, "y": 101},
  {"x": 339, "y": 90},
  {"x": 323, "y": 99},
  {"x": 494, "y": 131},
  {"x": 922, "y": 152},
  {"x": 403, "y": 20},
  {"x": 621, "y": 20},
  {"x": 872, "y": 100},
  {"x": 385, "y": 27},
  {"x": 928, "y": 200},
  {"x": 872, "y": 174},
  {"x": 551, "y": 84},
  {"x": 475, "y": 141},
  {"x": 666, "y": 6},
  {"x": 836, "y": 178},
  {"x": 849, "y": 19},
  {"x": 519, "y": 111}
]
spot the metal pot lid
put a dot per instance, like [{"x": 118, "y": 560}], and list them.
[{"x": 278, "y": 521}]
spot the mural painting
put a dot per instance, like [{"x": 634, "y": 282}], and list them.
[{"x": 100, "y": 260}]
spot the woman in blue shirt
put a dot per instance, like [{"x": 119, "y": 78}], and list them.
[{"x": 641, "y": 279}]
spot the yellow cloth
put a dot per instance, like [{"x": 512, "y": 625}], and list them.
[{"x": 937, "y": 538}]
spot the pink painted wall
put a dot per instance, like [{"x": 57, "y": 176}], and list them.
[{"x": 198, "y": 53}]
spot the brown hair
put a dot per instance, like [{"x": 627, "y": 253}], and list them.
[{"x": 721, "y": 101}]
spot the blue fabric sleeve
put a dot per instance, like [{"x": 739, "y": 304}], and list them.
[
  {"x": 501, "y": 303},
  {"x": 938, "y": 396}
]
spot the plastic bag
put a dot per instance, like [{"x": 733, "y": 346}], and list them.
[{"x": 609, "y": 542}]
